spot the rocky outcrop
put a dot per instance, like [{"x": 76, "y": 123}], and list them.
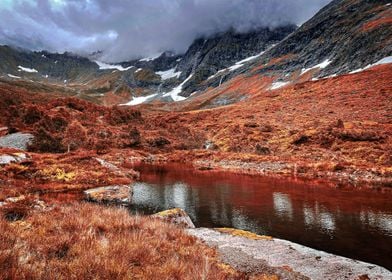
[
  {"x": 175, "y": 216},
  {"x": 253, "y": 254},
  {"x": 119, "y": 194}
]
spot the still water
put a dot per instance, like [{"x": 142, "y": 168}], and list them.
[{"x": 344, "y": 221}]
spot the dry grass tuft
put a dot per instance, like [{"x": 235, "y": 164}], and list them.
[{"x": 84, "y": 241}]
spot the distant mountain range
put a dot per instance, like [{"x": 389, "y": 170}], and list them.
[{"x": 344, "y": 36}]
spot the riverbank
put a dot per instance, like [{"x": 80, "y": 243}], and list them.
[{"x": 30, "y": 178}]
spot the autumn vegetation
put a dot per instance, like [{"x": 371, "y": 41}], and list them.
[
  {"x": 85, "y": 241},
  {"x": 336, "y": 128}
]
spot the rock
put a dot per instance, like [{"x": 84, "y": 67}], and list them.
[
  {"x": 16, "y": 141},
  {"x": 253, "y": 253},
  {"x": 108, "y": 165},
  {"x": 12, "y": 158},
  {"x": 209, "y": 145},
  {"x": 118, "y": 194},
  {"x": 176, "y": 216}
]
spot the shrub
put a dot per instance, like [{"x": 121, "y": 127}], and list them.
[
  {"x": 46, "y": 143},
  {"x": 122, "y": 115}
]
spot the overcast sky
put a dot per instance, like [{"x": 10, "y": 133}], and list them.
[{"x": 126, "y": 29}]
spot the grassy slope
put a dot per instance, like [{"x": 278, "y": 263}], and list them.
[{"x": 82, "y": 241}]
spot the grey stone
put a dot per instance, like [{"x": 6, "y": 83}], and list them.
[
  {"x": 16, "y": 141},
  {"x": 118, "y": 194}
]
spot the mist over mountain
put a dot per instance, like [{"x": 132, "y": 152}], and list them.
[{"x": 130, "y": 29}]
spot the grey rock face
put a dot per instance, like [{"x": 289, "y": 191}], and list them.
[
  {"x": 16, "y": 141},
  {"x": 338, "y": 33},
  {"x": 206, "y": 56},
  {"x": 166, "y": 60}
]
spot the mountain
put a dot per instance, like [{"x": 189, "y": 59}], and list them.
[
  {"x": 308, "y": 105},
  {"x": 165, "y": 77},
  {"x": 344, "y": 36},
  {"x": 44, "y": 65},
  {"x": 206, "y": 56}
]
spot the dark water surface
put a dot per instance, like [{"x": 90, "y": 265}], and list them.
[{"x": 344, "y": 221}]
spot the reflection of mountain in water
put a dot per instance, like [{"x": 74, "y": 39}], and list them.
[{"x": 343, "y": 222}]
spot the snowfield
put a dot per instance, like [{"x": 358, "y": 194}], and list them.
[
  {"x": 105, "y": 66},
  {"x": 14, "y": 77},
  {"x": 277, "y": 85},
  {"x": 237, "y": 65},
  {"x": 175, "y": 92},
  {"x": 151, "y": 58},
  {"x": 140, "y": 100},
  {"x": 28, "y": 70},
  {"x": 168, "y": 74},
  {"x": 385, "y": 60},
  {"x": 322, "y": 65}
]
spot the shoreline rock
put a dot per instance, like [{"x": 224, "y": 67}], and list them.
[
  {"x": 284, "y": 258},
  {"x": 175, "y": 216},
  {"x": 117, "y": 194}
]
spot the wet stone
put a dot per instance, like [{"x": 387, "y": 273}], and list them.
[
  {"x": 176, "y": 216},
  {"x": 117, "y": 194}
]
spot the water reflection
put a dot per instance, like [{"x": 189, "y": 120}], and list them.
[
  {"x": 346, "y": 222},
  {"x": 283, "y": 206}
]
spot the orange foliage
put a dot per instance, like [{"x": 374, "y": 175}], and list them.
[{"x": 82, "y": 241}]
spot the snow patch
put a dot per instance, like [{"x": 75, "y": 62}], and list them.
[
  {"x": 385, "y": 60},
  {"x": 105, "y": 66},
  {"x": 28, "y": 70},
  {"x": 322, "y": 65},
  {"x": 175, "y": 92},
  {"x": 277, "y": 85},
  {"x": 151, "y": 58},
  {"x": 14, "y": 77},
  {"x": 237, "y": 65},
  {"x": 138, "y": 70},
  {"x": 140, "y": 100},
  {"x": 168, "y": 74}
]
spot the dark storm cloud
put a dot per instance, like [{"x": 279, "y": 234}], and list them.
[{"x": 135, "y": 28}]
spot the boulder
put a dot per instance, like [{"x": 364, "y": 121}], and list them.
[
  {"x": 176, "y": 216},
  {"x": 18, "y": 141},
  {"x": 118, "y": 194},
  {"x": 12, "y": 158}
]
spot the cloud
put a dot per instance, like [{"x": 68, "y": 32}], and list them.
[{"x": 137, "y": 28}]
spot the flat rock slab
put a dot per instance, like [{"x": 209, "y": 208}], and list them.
[
  {"x": 252, "y": 255},
  {"x": 119, "y": 194},
  {"x": 16, "y": 141},
  {"x": 175, "y": 216},
  {"x": 12, "y": 158}
]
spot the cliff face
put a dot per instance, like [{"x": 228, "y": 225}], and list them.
[
  {"x": 345, "y": 35},
  {"x": 206, "y": 56}
]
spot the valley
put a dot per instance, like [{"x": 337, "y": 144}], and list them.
[{"x": 268, "y": 139}]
